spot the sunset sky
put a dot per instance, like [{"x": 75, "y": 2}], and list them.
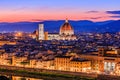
[{"x": 36, "y": 10}]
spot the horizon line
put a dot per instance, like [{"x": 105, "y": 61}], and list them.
[{"x": 56, "y": 20}]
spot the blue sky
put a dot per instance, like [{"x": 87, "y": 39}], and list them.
[{"x": 27, "y": 10}]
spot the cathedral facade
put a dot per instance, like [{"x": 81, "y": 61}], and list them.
[{"x": 66, "y": 32}]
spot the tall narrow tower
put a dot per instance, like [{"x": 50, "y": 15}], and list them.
[{"x": 41, "y": 32}]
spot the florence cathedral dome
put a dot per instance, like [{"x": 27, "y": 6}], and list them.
[{"x": 66, "y": 29}]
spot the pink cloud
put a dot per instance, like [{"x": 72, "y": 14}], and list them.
[{"x": 22, "y": 15}]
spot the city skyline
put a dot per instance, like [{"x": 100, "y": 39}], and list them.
[
  {"x": 34, "y": 10},
  {"x": 59, "y": 39}
]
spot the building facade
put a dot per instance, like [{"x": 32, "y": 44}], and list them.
[
  {"x": 104, "y": 61},
  {"x": 67, "y": 63},
  {"x": 41, "y": 32}
]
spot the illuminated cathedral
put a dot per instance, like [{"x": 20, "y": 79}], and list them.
[{"x": 66, "y": 32}]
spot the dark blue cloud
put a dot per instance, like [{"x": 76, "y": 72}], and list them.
[
  {"x": 113, "y": 12},
  {"x": 92, "y": 11},
  {"x": 115, "y": 16},
  {"x": 95, "y": 17}
]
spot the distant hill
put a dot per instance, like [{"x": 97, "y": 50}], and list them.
[
  {"x": 112, "y": 26},
  {"x": 54, "y": 26}
]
